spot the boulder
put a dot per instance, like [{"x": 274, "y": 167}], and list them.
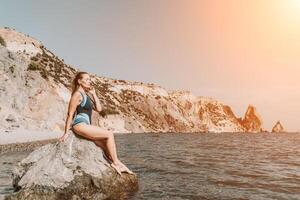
[
  {"x": 74, "y": 169},
  {"x": 278, "y": 128}
]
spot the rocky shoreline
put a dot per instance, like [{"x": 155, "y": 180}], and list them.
[{"x": 24, "y": 146}]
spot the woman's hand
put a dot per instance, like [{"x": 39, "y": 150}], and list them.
[
  {"x": 96, "y": 103},
  {"x": 64, "y": 137},
  {"x": 92, "y": 90}
]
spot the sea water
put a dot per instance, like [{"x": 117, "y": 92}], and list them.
[{"x": 203, "y": 165}]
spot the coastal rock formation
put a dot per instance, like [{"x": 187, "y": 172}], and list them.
[
  {"x": 217, "y": 117},
  {"x": 27, "y": 97},
  {"x": 278, "y": 128},
  {"x": 73, "y": 169},
  {"x": 252, "y": 120},
  {"x": 34, "y": 79}
]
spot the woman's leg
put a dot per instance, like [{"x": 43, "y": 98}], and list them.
[
  {"x": 102, "y": 144},
  {"x": 96, "y": 133}
]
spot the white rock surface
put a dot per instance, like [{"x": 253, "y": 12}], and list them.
[
  {"x": 20, "y": 43},
  {"x": 73, "y": 169}
]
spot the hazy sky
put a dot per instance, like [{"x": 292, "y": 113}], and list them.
[{"x": 238, "y": 51}]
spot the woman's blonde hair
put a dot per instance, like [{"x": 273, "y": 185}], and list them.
[{"x": 75, "y": 83}]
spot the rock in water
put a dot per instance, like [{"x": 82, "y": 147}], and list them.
[
  {"x": 252, "y": 120},
  {"x": 278, "y": 128},
  {"x": 73, "y": 169}
]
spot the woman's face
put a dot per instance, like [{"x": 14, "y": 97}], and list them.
[{"x": 85, "y": 81}]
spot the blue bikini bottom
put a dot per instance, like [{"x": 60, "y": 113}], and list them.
[{"x": 81, "y": 117}]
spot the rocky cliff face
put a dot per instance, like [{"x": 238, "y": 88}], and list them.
[
  {"x": 252, "y": 122},
  {"x": 35, "y": 87},
  {"x": 278, "y": 128},
  {"x": 31, "y": 96}
]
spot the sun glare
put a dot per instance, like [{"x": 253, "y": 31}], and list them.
[
  {"x": 286, "y": 15},
  {"x": 290, "y": 9},
  {"x": 295, "y": 3}
]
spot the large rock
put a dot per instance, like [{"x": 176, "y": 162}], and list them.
[
  {"x": 252, "y": 121},
  {"x": 278, "y": 128},
  {"x": 74, "y": 169}
]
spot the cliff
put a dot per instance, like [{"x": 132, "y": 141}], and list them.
[{"x": 35, "y": 89}]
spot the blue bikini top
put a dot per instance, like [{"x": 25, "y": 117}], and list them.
[{"x": 86, "y": 106}]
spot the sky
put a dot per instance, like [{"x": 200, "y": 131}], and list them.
[{"x": 240, "y": 52}]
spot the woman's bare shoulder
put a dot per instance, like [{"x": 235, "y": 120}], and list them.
[{"x": 76, "y": 95}]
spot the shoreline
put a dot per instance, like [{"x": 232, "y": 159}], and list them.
[
  {"x": 24, "y": 146},
  {"x": 27, "y": 140},
  {"x": 37, "y": 142},
  {"x": 22, "y": 135}
]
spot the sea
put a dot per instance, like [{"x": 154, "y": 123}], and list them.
[{"x": 195, "y": 166}]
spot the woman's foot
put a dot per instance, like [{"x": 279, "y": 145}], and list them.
[
  {"x": 116, "y": 168},
  {"x": 124, "y": 168}
]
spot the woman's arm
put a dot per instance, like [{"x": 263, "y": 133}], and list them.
[
  {"x": 96, "y": 101},
  {"x": 74, "y": 101}
]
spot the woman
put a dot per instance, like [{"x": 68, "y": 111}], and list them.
[{"x": 82, "y": 103}]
